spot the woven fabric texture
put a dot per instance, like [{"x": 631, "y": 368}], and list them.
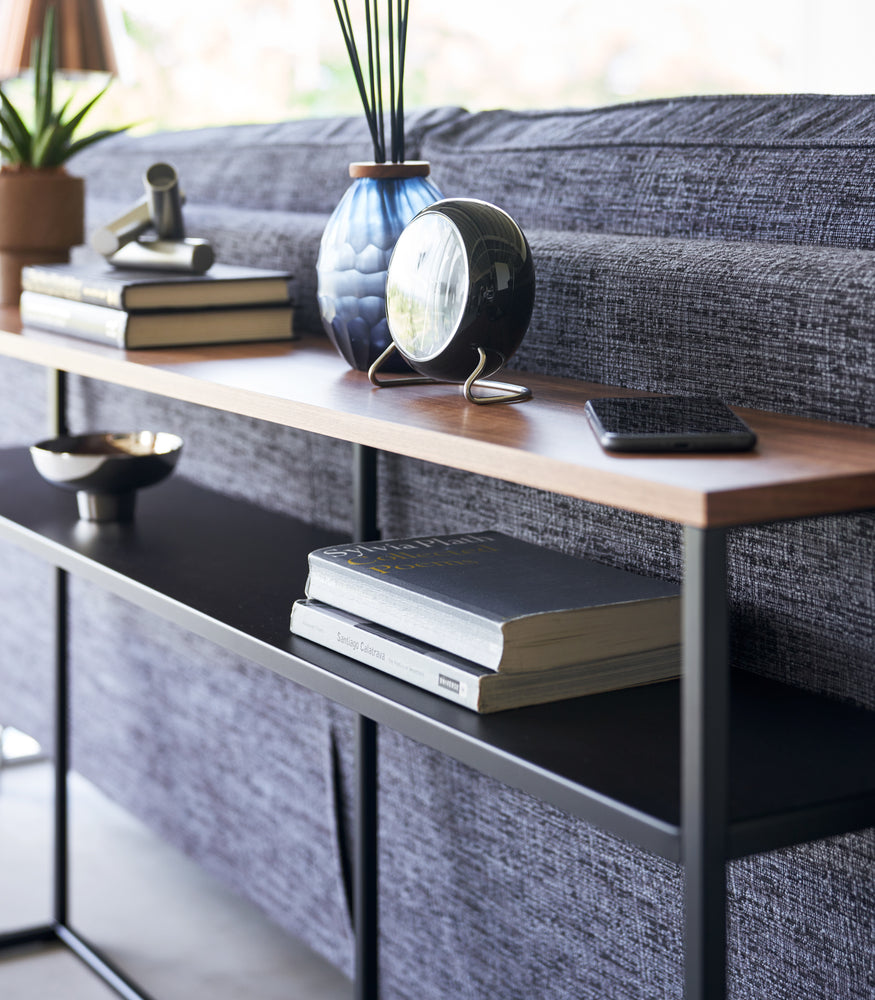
[
  {"x": 558, "y": 909},
  {"x": 295, "y": 166},
  {"x": 25, "y": 581},
  {"x": 704, "y": 244},
  {"x": 793, "y": 169},
  {"x": 770, "y": 326},
  {"x": 229, "y": 762}
]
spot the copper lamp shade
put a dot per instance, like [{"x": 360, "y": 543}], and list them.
[{"x": 84, "y": 43}]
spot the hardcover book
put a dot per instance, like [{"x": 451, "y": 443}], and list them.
[
  {"x": 503, "y": 603},
  {"x": 138, "y": 289},
  {"x": 178, "y": 328},
  {"x": 465, "y": 683}
]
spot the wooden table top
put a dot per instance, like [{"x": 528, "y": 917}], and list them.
[{"x": 800, "y": 467}]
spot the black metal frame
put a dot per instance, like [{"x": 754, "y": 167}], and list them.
[
  {"x": 704, "y": 766},
  {"x": 59, "y": 930},
  {"x": 704, "y": 761},
  {"x": 365, "y": 890}
]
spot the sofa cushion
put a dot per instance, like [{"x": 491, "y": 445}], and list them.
[
  {"x": 775, "y": 327},
  {"x": 793, "y": 169},
  {"x": 229, "y": 762}
]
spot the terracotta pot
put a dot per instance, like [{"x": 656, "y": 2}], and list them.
[{"x": 42, "y": 215}]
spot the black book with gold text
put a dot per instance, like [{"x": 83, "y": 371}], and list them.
[{"x": 498, "y": 601}]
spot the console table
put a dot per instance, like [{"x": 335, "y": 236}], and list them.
[{"x": 721, "y": 766}]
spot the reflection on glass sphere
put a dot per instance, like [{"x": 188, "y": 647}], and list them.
[
  {"x": 460, "y": 290},
  {"x": 428, "y": 286}
]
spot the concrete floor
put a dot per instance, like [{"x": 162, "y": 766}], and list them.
[{"x": 167, "y": 924}]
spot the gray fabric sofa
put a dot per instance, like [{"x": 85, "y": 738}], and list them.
[{"x": 705, "y": 244}]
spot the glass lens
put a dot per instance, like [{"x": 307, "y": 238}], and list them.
[{"x": 427, "y": 287}]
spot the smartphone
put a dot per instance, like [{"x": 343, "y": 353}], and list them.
[{"x": 667, "y": 423}]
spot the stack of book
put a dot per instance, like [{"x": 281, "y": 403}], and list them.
[
  {"x": 489, "y": 621},
  {"x": 131, "y": 308}
]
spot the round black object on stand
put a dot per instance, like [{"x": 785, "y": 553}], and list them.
[{"x": 459, "y": 297}]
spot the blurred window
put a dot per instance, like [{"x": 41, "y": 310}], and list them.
[{"x": 188, "y": 63}]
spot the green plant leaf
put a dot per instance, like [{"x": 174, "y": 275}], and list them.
[
  {"x": 87, "y": 140},
  {"x": 36, "y": 59},
  {"x": 49, "y": 145},
  {"x": 8, "y": 153},
  {"x": 15, "y": 129},
  {"x": 18, "y": 156},
  {"x": 77, "y": 118},
  {"x": 44, "y": 79},
  {"x": 63, "y": 109}
]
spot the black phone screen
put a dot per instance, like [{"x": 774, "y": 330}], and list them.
[{"x": 667, "y": 423}]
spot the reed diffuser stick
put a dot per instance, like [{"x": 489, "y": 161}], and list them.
[
  {"x": 349, "y": 40},
  {"x": 403, "y": 10},
  {"x": 370, "y": 82},
  {"x": 380, "y": 150}
]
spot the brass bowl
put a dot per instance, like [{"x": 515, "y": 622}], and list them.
[{"x": 106, "y": 470}]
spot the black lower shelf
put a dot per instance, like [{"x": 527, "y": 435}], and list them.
[{"x": 801, "y": 765}]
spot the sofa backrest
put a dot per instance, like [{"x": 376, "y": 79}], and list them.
[
  {"x": 778, "y": 168},
  {"x": 699, "y": 244},
  {"x": 294, "y": 166},
  {"x": 692, "y": 245}
]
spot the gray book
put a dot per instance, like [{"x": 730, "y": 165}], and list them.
[
  {"x": 463, "y": 682},
  {"x": 497, "y": 601},
  {"x": 132, "y": 289},
  {"x": 177, "y": 328}
]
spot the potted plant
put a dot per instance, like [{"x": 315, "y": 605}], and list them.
[{"x": 42, "y": 207}]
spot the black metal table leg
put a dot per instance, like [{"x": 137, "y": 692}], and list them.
[
  {"x": 100, "y": 964},
  {"x": 365, "y": 909},
  {"x": 62, "y": 754},
  {"x": 61, "y": 930},
  {"x": 364, "y": 491},
  {"x": 365, "y": 874},
  {"x": 704, "y": 790},
  {"x": 57, "y": 424}
]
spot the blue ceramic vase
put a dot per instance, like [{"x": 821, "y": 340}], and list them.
[{"x": 355, "y": 251}]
